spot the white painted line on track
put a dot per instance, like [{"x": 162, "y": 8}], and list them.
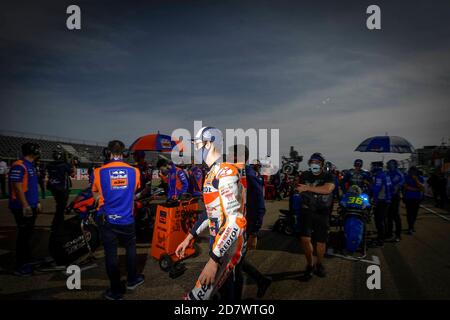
[
  {"x": 435, "y": 213},
  {"x": 374, "y": 260}
]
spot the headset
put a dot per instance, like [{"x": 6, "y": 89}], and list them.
[
  {"x": 58, "y": 155},
  {"x": 107, "y": 151},
  {"x": 31, "y": 148}
]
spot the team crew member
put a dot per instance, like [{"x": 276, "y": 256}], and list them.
[
  {"x": 178, "y": 182},
  {"x": 314, "y": 219},
  {"x": 356, "y": 176},
  {"x": 59, "y": 173},
  {"x": 224, "y": 198},
  {"x": 414, "y": 187},
  {"x": 381, "y": 199},
  {"x": 41, "y": 172},
  {"x": 255, "y": 211},
  {"x": 195, "y": 181},
  {"x": 24, "y": 204},
  {"x": 3, "y": 171},
  {"x": 397, "y": 180},
  {"x": 115, "y": 184},
  {"x": 144, "y": 168}
]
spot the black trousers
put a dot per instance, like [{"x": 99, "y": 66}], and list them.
[
  {"x": 3, "y": 184},
  {"x": 42, "y": 186},
  {"x": 112, "y": 235},
  {"x": 231, "y": 290},
  {"x": 412, "y": 209},
  {"x": 61, "y": 197},
  {"x": 25, "y": 228},
  {"x": 394, "y": 217},
  {"x": 380, "y": 213}
]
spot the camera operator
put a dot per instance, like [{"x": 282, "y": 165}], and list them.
[
  {"x": 114, "y": 186},
  {"x": 24, "y": 204},
  {"x": 59, "y": 172},
  {"x": 316, "y": 186}
]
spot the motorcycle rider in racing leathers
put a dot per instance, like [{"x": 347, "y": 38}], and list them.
[
  {"x": 356, "y": 176},
  {"x": 224, "y": 198}
]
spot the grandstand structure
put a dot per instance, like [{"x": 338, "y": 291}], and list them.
[{"x": 87, "y": 152}]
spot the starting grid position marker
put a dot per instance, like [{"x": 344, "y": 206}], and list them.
[{"x": 375, "y": 260}]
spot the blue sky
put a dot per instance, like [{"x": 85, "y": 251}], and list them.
[{"x": 308, "y": 68}]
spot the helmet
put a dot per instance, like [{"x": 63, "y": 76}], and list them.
[
  {"x": 318, "y": 157},
  {"x": 355, "y": 190}
]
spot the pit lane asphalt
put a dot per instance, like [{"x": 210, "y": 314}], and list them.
[{"x": 416, "y": 268}]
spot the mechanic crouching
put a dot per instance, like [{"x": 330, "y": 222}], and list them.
[{"x": 114, "y": 186}]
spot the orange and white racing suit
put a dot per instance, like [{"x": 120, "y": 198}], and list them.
[{"x": 224, "y": 198}]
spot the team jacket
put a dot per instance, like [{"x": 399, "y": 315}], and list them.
[
  {"x": 397, "y": 180},
  {"x": 58, "y": 175},
  {"x": 195, "y": 181},
  {"x": 178, "y": 182},
  {"x": 255, "y": 205},
  {"x": 116, "y": 182},
  {"x": 224, "y": 197},
  {"x": 382, "y": 187},
  {"x": 24, "y": 172}
]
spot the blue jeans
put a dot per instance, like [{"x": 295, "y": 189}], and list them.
[{"x": 112, "y": 235}]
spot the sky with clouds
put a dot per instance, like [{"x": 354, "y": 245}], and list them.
[{"x": 308, "y": 68}]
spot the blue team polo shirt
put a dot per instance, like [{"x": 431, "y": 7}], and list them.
[{"x": 23, "y": 171}]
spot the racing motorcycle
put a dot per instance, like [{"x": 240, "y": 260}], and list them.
[{"x": 79, "y": 235}]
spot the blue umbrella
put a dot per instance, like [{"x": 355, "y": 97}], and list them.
[{"x": 386, "y": 144}]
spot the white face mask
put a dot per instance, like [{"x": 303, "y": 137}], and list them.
[{"x": 315, "y": 168}]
